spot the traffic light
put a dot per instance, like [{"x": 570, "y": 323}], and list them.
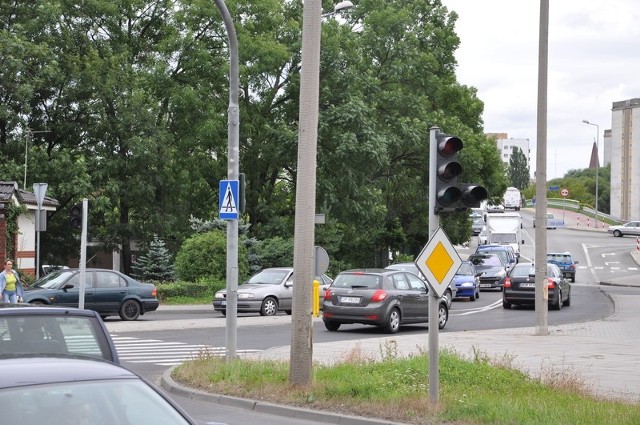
[
  {"x": 75, "y": 216},
  {"x": 448, "y": 193}
]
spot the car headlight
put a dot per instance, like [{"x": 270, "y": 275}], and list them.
[
  {"x": 219, "y": 296},
  {"x": 244, "y": 295},
  {"x": 467, "y": 284}
]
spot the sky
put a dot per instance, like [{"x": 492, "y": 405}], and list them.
[{"x": 594, "y": 60}]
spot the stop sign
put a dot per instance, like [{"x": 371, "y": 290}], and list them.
[{"x": 564, "y": 192}]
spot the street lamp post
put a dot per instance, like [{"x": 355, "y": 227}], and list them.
[{"x": 597, "y": 165}]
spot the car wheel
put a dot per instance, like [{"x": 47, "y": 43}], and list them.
[
  {"x": 37, "y": 302},
  {"x": 473, "y": 297},
  {"x": 567, "y": 302},
  {"x": 332, "y": 326},
  {"x": 393, "y": 321},
  {"x": 478, "y": 293},
  {"x": 558, "y": 305},
  {"x": 506, "y": 305},
  {"x": 288, "y": 312},
  {"x": 449, "y": 296},
  {"x": 617, "y": 233},
  {"x": 130, "y": 310},
  {"x": 573, "y": 279},
  {"x": 269, "y": 307},
  {"x": 223, "y": 312},
  {"x": 443, "y": 316}
]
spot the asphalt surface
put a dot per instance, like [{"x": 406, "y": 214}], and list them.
[{"x": 604, "y": 354}]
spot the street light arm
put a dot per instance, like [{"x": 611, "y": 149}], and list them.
[{"x": 340, "y": 7}]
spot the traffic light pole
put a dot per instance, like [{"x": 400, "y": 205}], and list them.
[
  {"x": 434, "y": 223},
  {"x": 83, "y": 252}
]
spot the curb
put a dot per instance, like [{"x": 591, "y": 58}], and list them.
[{"x": 173, "y": 387}]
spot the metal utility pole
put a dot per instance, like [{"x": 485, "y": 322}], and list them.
[
  {"x": 83, "y": 251},
  {"x": 434, "y": 223},
  {"x": 233, "y": 173},
  {"x": 542, "y": 294},
  {"x": 39, "y": 190}
]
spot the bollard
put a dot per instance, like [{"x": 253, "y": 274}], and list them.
[
  {"x": 578, "y": 224},
  {"x": 588, "y": 224},
  {"x": 638, "y": 244}
]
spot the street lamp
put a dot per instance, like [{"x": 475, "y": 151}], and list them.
[
  {"x": 597, "y": 164},
  {"x": 343, "y": 5}
]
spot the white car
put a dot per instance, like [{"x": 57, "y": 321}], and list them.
[
  {"x": 499, "y": 208},
  {"x": 630, "y": 228}
]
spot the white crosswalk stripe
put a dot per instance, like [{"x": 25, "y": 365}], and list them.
[{"x": 163, "y": 353}]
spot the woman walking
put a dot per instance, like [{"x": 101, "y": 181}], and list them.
[{"x": 10, "y": 284}]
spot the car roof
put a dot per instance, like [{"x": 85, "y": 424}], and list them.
[
  {"x": 22, "y": 371},
  {"x": 372, "y": 270},
  {"x": 19, "y": 309},
  {"x": 494, "y": 247}
]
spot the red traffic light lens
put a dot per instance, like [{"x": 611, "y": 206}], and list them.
[{"x": 449, "y": 145}]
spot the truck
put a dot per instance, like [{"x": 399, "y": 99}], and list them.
[
  {"x": 505, "y": 229},
  {"x": 512, "y": 199}
]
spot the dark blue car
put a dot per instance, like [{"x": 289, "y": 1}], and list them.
[
  {"x": 467, "y": 281},
  {"x": 564, "y": 261}
]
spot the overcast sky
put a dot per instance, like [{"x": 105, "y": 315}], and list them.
[{"x": 594, "y": 60}]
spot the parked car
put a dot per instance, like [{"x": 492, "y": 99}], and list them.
[
  {"x": 267, "y": 292},
  {"x": 506, "y": 253},
  {"x": 27, "y": 330},
  {"x": 68, "y": 391},
  {"x": 630, "y": 228},
  {"x": 491, "y": 268},
  {"x": 467, "y": 281},
  {"x": 108, "y": 292},
  {"x": 449, "y": 293},
  {"x": 566, "y": 263},
  {"x": 381, "y": 297},
  {"x": 520, "y": 285}
]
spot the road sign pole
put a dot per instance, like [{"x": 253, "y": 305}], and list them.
[{"x": 434, "y": 373}]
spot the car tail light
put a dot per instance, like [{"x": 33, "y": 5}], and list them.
[
  {"x": 379, "y": 296},
  {"x": 551, "y": 284},
  {"x": 572, "y": 266},
  {"x": 154, "y": 292},
  {"x": 507, "y": 282},
  {"x": 327, "y": 295}
]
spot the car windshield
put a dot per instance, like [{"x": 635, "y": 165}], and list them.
[
  {"x": 465, "y": 269},
  {"x": 51, "y": 334},
  {"x": 357, "y": 280},
  {"x": 52, "y": 280},
  {"x": 486, "y": 261},
  {"x": 502, "y": 238},
  {"x": 499, "y": 252},
  {"x": 268, "y": 277},
  {"x": 113, "y": 402},
  {"x": 559, "y": 258}
]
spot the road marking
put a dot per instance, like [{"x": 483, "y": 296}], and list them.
[
  {"x": 164, "y": 353},
  {"x": 493, "y": 306}
]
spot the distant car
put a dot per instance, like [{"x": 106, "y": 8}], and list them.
[
  {"x": 552, "y": 222},
  {"x": 267, "y": 292},
  {"x": 449, "y": 293},
  {"x": 467, "y": 281},
  {"x": 477, "y": 223},
  {"x": 108, "y": 292},
  {"x": 497, "y": 208},
  {"x": 566, "y": 263},
  {"x": 506, "y": 253},
  {"x": 630, "y": 228},
  {"x": 380, "y": 297},
  {"x": 483, "y": 236},
  {"x": 491, "y": 268},
  {"x": 520, "y": 285},
  {"x": 27, "y": 330},
  {"x": 66, "y": 391}
]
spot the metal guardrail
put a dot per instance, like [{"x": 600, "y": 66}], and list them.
[{"x": 573, "y": 205}]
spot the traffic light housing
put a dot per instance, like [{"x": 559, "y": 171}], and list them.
[
  {"x": 448, "y": 192},
  {"x": 451, "y": 195},
  {"x": 75, "y": 216}
]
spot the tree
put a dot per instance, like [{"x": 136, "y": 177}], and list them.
[
  {"x": 518, "y": 170},
  {"x": 156, "y": 264}
]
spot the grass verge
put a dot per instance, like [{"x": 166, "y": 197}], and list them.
[{"x": 476, "y": 390}]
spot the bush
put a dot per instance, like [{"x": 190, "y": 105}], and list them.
[
  {"x": 204, "y": 256},
  {"x": 201, "y": 289}
]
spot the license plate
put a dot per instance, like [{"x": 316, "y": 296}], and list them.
[
  {"x": 350, "y": 300},
  {"x": 527, "y": 285},
  {"x": 485, "y": 285},
  {"x": 223, "y": 303}
]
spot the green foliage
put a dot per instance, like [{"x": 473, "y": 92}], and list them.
[
  {"x": 273, "y": 252},
  {"x": 518, "y": 170},
  {"x": 192, "y": 291},
  {"x": 204, "y": 255},
  {"x": 156, "y": 264}
]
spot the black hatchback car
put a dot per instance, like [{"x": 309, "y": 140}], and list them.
[
  {"x": 380, "y": 297},
  {"x": 520, "y": 286},
  {"x": 108, "y": 292}
]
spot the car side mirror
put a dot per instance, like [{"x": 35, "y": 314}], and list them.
[
  {"x": 576, "y": 262},
  {"x": 288, "y": 284},
  {"x": 67, "y": 286}
]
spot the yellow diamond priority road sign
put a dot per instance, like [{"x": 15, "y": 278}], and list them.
[{"x": 438, "y": 262}]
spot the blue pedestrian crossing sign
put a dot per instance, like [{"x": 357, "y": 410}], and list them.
[{"x": 229, "y": 200}]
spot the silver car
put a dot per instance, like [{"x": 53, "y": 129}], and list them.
[
  {"x": 630, "y": 228},
  {"x": 380, "y": 297},
  {"x": 266, "y": 292}
]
